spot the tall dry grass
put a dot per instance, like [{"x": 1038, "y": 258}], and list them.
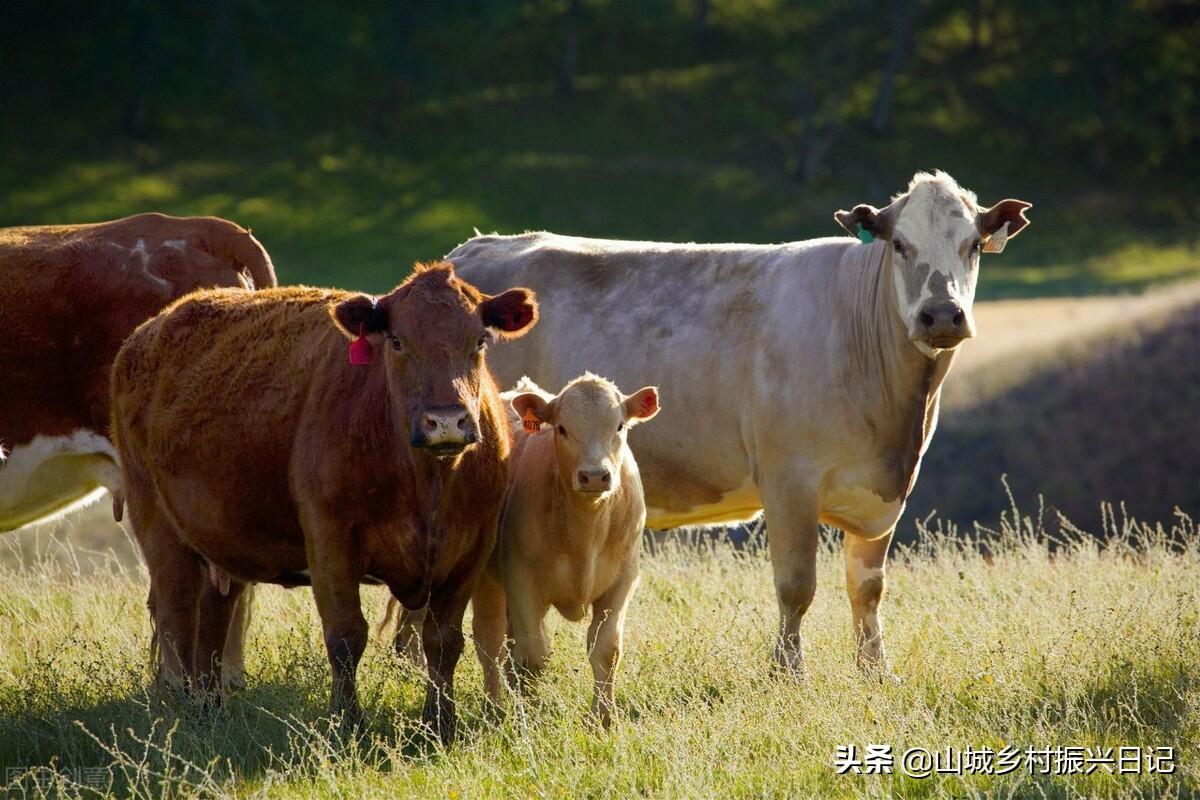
[{"x": 1001, "y": 635}]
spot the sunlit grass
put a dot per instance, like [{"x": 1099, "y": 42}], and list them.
[{"x": 1084, "y": 644}]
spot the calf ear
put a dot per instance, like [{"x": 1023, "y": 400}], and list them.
[
  {"x": 1010, "y": 211},
  {"x": 511, "y": 314},
  {"x": 534, "y": 410},
  {"x": 361, "y": 310},
  {"x": 876, "y": 221},
  {"x": 641, "y": 405}
]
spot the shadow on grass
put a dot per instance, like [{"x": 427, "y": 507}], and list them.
[{"x": 155, "y": 740}]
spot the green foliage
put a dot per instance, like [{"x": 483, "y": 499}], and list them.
[{"x": 358, "y": 139}]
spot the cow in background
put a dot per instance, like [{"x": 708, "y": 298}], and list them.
[{"x": 69, "y": 296}]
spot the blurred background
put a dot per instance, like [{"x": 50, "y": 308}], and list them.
[{"x": 355, "y": 138}]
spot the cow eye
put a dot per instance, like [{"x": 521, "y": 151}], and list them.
[
  {"x": 562, "y": 430},
  {"x": 483, "y": 341},
  {"x": 899, "y": 248},
  {"x": 976, "y": 246},
  {"x": 620, "y": 427},
  {"x": 396, "y": 343}
]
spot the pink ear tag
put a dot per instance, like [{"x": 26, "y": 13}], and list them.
[{"x": 360, "y": 348}]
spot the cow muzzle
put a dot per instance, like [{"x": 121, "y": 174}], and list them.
[
  {"x": 593, "y": 480},
  {"x": 942, "y": 324},
  {"x": 445, "y": 430}
]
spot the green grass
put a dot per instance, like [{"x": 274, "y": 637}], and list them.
[
  {"x": 686, "y": 154},
  {"x": 1087, "y": 645}
]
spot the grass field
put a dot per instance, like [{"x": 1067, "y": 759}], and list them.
[{"x": 1000, "y": 640}]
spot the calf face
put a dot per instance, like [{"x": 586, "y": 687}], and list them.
[
  {"x": 431, "y": 333},
  {"x": 937, "y": 232},
  {"x": 589, "y": 420}
]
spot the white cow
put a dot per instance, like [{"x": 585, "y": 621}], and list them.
[{"x": 804, "y": 377}]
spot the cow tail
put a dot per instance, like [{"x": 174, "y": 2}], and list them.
[{"x": 254, "y": 260}]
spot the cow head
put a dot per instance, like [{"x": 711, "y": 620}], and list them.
[
  {"x": 430, "y": 334},
  {"x": 937, "y": 231},
  {"x": 589, "y": 420}
]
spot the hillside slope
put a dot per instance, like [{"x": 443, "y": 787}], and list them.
[{"x": 1076, "y": 400}]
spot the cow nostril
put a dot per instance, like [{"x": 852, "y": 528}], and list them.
[
  {"x": 583, "y": 478},
  {"x": 431, "y": 424},
  {"x": 958, "y": 318},
  {"x": 606, "y": 478},
  {"x": 464, "y": 422},
  {"x": 926, "y": 319}
]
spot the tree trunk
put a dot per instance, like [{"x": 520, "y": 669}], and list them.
[
  {"x": 566, "y": 76},
  {"x": 231, "y": 51},
  {"x": 138, "y": 114},
  {"x": 901, "y": 24}
]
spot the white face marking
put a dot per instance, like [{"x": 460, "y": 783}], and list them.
[
  {"x": 53, "y": 475},
  {"x": 936, "y": 230},
  {"x": 175, "y": 244}
]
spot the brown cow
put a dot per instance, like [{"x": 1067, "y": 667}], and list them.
[
  {"x": 69, "y": 295},
  {"x": 254, "y": 450}
]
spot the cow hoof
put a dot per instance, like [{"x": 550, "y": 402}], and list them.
[
  {"x": 879, "y": 671},
  {"x": 233, "y": 680}
]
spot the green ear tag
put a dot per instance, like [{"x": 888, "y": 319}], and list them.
[{"x": 864, "y": 235}]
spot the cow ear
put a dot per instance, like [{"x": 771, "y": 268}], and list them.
[
  {"x": 360, "y": 312},
  {"x": 534, "y": 410},
  {"x": 511, "y": 314},
  {"x": 1011, "y": 211},
  {"x": 641, "y": 405},
  {"x": 876, "y": 221}
]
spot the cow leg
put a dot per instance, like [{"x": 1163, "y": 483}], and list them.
[
  {"x": 605, "y": 641},
  {"x": 791, "y": 515},
  {"x": 175, "y": 585},
  {"x": 176, "y": 580},
  {"x": 335, "y": 583},
  {"x": 212, "y": 632},
  {"x": 233, "y": 668},
  {"x": 865, "y": 578},
  {"x": 442, "y": 638},
  {"x": 489, "y": 625}
]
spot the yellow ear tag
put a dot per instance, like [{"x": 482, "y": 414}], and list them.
[
  {"x": 530, "y": 422},
  {"x": 996, "y": 242}
]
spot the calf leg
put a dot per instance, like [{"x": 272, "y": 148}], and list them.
[
  {"x": 489, "y": 625},
  {"x": 605, "y": 640},
  {"x": 526, "y": 622},
  {"x": 216, "y": 612},
  {"x": 865, "y": 578},
  {"x": 791, "y": 515}
]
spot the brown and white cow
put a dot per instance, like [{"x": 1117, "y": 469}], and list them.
[
  {"x": 69, "y": 295},
  {"x": 571, "y": 530},
  {"x": 253, "y": 449},
  {"x": 804, "y": 377}
]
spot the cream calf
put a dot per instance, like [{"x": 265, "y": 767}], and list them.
[{"x": 570, "y": 533}]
